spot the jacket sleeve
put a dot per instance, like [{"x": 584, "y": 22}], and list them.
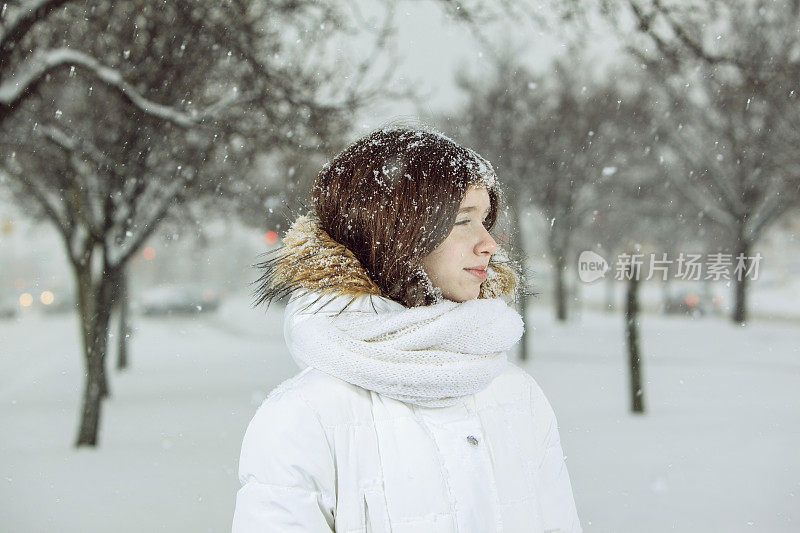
[
  {"x": 286, "y": 470},
  {"x": 555, "y": 490}
]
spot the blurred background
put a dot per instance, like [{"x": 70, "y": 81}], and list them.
[{"x": 150, "y": 151}]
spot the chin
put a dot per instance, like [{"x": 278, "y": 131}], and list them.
[
  {"x": 463, "y": 295},
  {"x": 472, "y": 296}
]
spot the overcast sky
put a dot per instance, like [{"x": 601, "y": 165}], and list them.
[{"x": 433, "y": 47}]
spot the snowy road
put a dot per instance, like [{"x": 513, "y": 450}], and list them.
[{"x": 716, "y": 451}]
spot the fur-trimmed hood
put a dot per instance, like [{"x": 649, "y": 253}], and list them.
[{"x": 310, "y": 259}]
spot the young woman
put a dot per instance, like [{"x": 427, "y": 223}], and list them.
[{"x": 407, "y": 415}]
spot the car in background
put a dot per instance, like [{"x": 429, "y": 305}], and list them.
[
  {"x": 61, "y": 302},
  {"x": 693, "y": 302},
  {"x": 173, "y": 300},
  {"x": 8, "y": 309}
]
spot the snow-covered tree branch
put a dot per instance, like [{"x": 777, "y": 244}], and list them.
[{"x": 22, "y": 83}]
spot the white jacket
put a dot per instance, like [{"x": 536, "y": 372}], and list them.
[{"x": 321, "y": 455}]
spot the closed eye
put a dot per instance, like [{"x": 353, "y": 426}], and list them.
[{"x": 467, "y": 221}]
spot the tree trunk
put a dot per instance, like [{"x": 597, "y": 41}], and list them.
[
  {"x": 632, "y": 337},
  {"x": 519, "y": 247},
  {"x": 95, "y": 301},
  {"x": 559, "y": 288},
  {"x": 557, "y": 245},
  {"x": 740, "y": 283},
  {"x": 105, "y": 390},
  {"x": 609, "y": 293},
  {"x": 92, "y": 403},
  {"x": 123, "y": 305},
  {"x": 666, "y": 293}
]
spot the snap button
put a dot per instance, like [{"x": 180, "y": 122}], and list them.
[{"x": 472, "y": 440}]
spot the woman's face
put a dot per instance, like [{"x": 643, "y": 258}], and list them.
[{"x": 458, "y": 265}]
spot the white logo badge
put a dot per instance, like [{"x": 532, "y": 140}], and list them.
[{"x": 591, "y": 266}]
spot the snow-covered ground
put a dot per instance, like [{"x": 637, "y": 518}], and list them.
[{"x": 717, "y": 450}]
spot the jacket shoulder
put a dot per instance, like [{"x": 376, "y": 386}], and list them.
[
  {"x": 332, "y": 400},
  {"x": 516, "y": 388},
  {"x": 512, "y": 386}
]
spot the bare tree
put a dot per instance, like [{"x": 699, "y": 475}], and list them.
[
  {"x": 728, "y": 72},
  {"x": 125, "y": 111}
]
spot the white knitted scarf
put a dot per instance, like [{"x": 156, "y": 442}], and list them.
[{"x": 428, "y": 356}]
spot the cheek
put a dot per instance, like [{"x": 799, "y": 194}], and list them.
[
  {"x": 448, "y": 257},
  {"x": 436, "y": 262},
  {"x": 456, "y": 253}
]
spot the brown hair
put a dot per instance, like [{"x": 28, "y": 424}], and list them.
[{"x": 391, "y": 198}]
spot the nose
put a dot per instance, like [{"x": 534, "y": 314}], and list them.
[{"x": 487, "y": 244}]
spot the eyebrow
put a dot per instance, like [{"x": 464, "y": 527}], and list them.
[{"x": 473, "y": 208}]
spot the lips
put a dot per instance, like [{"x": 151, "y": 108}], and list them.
[{"x": 478, "y": 272}]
